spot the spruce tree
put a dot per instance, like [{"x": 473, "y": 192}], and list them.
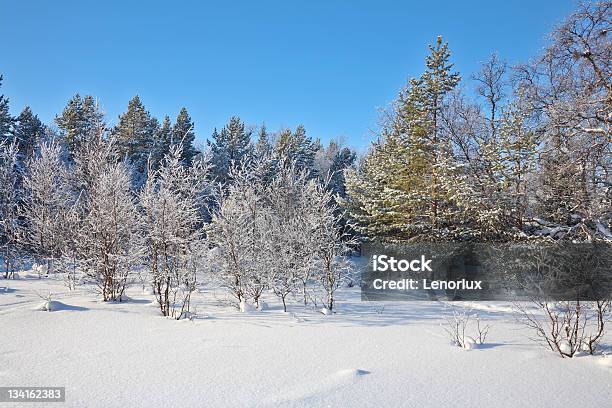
[
  {"x": 263, "y": 146},
  {"x": 161, "y": 143},
  {"x": 183, "y": 133},
  {"x": 228, "y": 148},
  {"x": 342, "y": 160}
]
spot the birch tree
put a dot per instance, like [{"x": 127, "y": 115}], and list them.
[
  {"x": 173, "y": 234},
  {"x": 9, "y": 206}
]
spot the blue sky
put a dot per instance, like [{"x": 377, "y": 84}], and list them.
[{"x": 327, "y": 64}]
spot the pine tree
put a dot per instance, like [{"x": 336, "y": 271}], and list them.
[
  {"x": 79, "y": 122},
  {"x": 264, "y": 163},
  {"x": 6, "y": 120},
  {"x": 297, "y": 148},
  {"x": 135, "y": 135},
  {"x": 435, "y": 83},
  {"x": 182, "y": 132},
  {"x": 397, "y": 193},
  {"x": 28, "y": 130}
]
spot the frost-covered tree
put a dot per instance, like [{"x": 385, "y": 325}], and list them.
[
  {"x": 161, "y": 144},
  {"x": 291, "y": 232},
  {"x": 264, "y": 162},
  {"x": 90, "y": 159},
  {"x": 263, "y": 146},
  {"x": 240, "y": 231},
  {"x": 46, "y": 202},
  {"x": 330, "y": 242},
  {"x": 268, "y": 234},
  {"x": 9, "y": 206},
  {"x": 569, "y": 86},
  {"x": 173, "y": 234},
  {"x": 108, "y": 238}
]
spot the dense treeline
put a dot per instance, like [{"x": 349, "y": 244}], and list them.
[
  {"x": 138, "y": 201},
  {"x": 527, "y": 156}
]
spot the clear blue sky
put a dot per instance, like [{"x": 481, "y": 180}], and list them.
[{"x": 326, "y": 64}]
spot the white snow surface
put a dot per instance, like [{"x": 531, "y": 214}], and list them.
[{"x": 127, "y": 355}]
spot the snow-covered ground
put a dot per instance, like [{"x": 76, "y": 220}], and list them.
[{"x": 367, "y": 354}]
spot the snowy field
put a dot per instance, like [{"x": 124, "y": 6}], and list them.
[{"x": 365, "y": 355}]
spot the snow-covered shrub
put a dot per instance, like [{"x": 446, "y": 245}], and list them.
[
  {"x": 40, "y": 270},
  {"x": 173, "y": 235},
  {"x": 110, "y": 232},
  {"x": 465, "y": 329},
  {"x": 576, "y": 273},
  {"x": 567, "y": 327},
  {"x": 48, "y": 303}
]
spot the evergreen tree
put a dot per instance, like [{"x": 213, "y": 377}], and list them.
[
  {"x": 518, "y": 144},
  {"x": 6, "y": 120},
  {"x": 80, "y": 121},
  {"x": 182, "y": 133},
  {"x": 298, "y": 149},
  {"x": 229, "y": 147},
  {"x": 135, "y": 135},
  {"x": 162, "y": 143},
  {"x": 434, "y": 84},
  {"x": 263, "y": 146},
  {"x": 330, "y": 163},
  {"x": 264, "y": 164},
  {"x": 28, "y": 130},
  {"x": 397, "y": 194}
]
